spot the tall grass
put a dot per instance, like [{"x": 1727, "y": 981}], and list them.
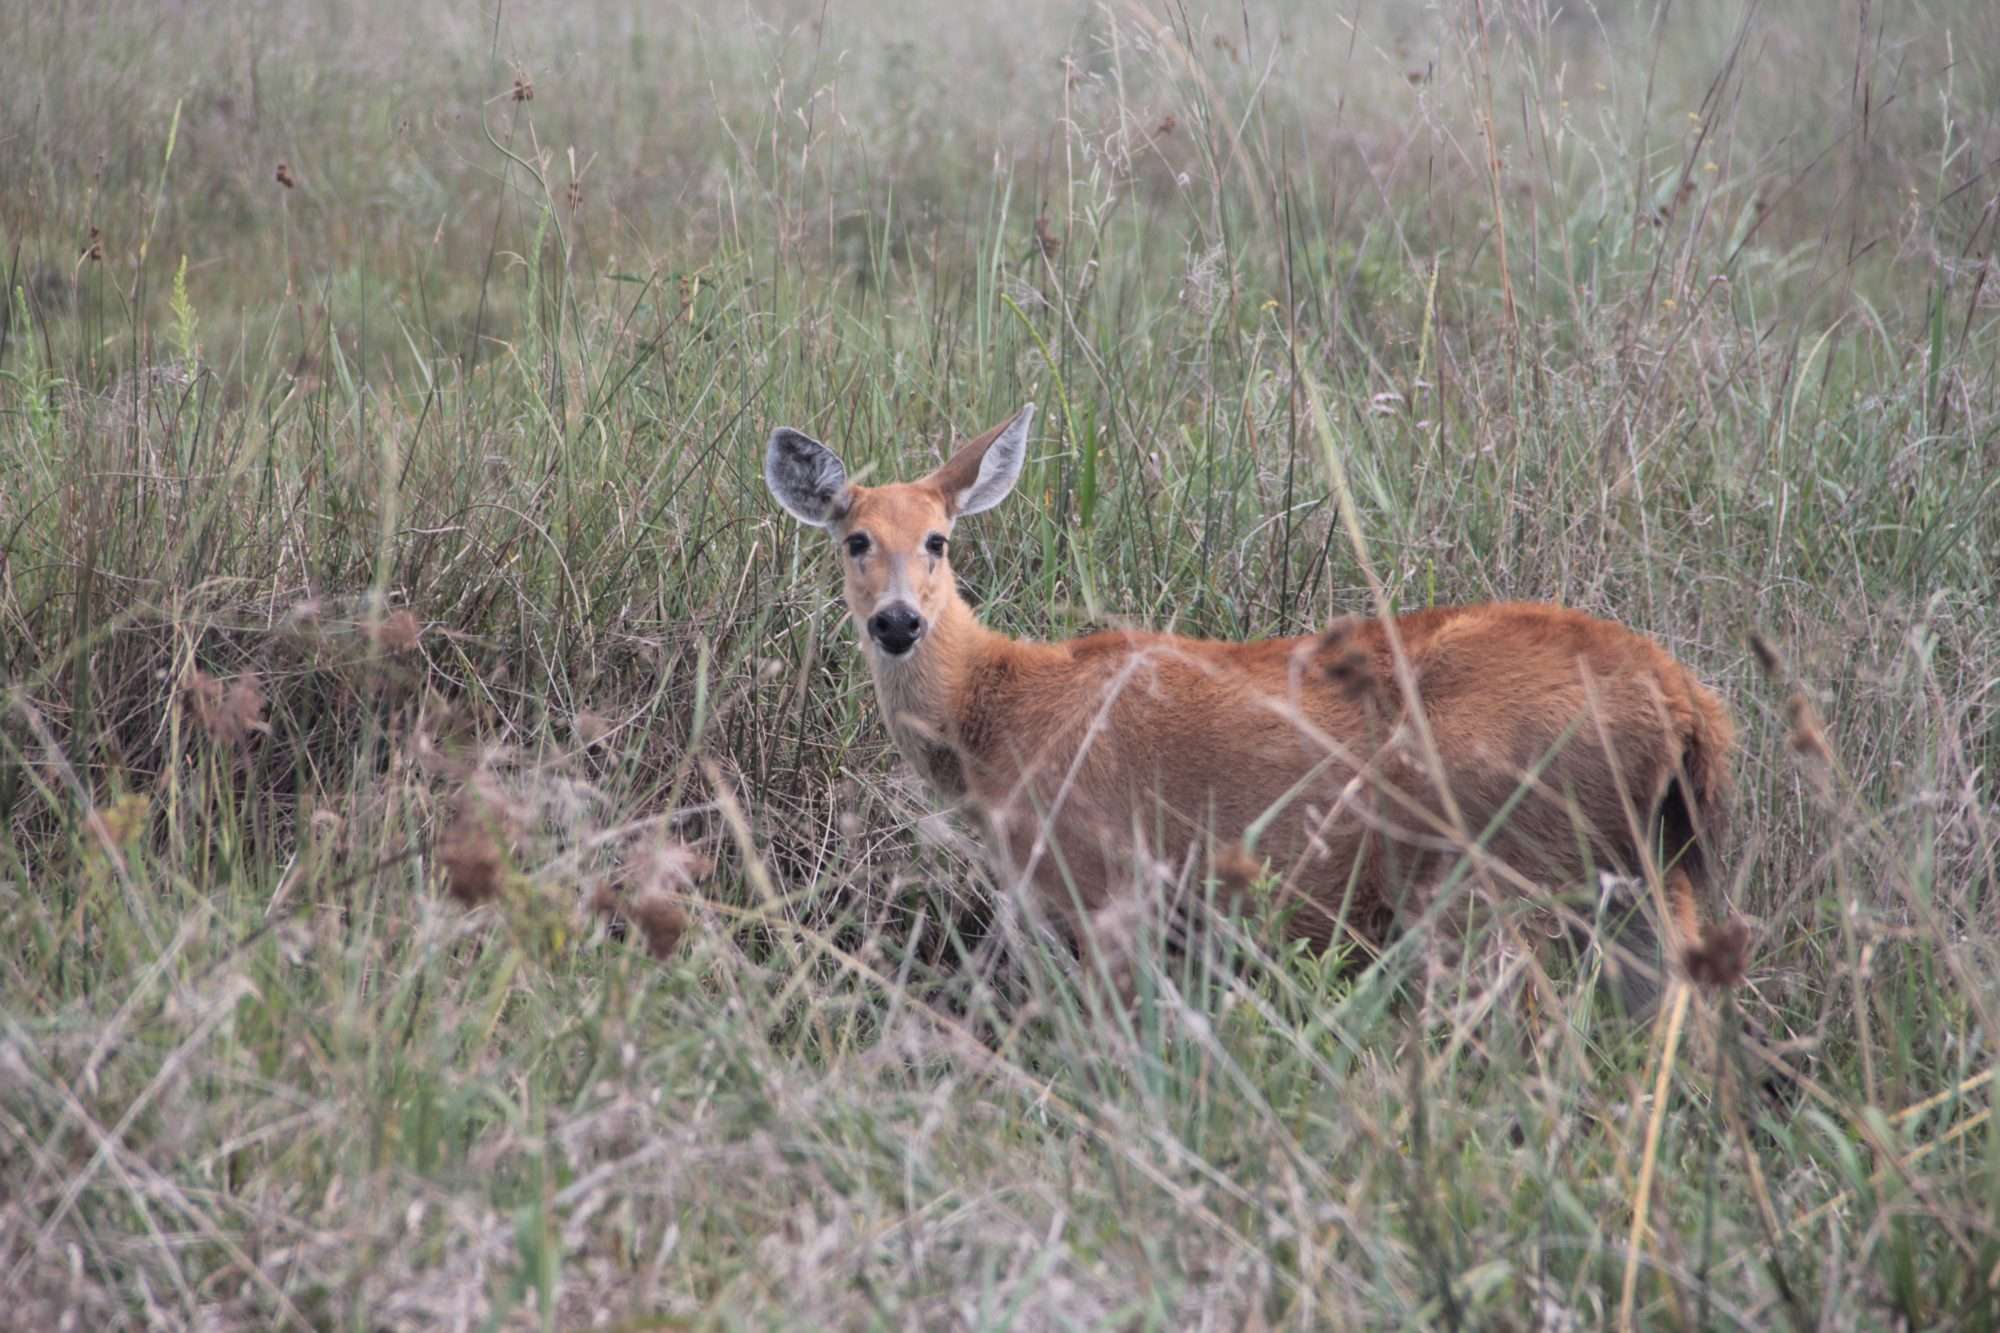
[{"x": 454, "y": 871}]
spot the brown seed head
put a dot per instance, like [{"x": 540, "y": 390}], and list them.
[
  {"x": 672, "y": 867},
  {"x": 283, "y": 175},
  {"x": 1046, "y": 238},
  {"x": 661, "y": 920},
  {"x": 1766, "y": 653},
  {"x": 606, "y": 899},
  {"x": 1808, "y": 736},
  {"x": 432, "y": 758},
  {"x": 1168, "y": 124},
  {"x": 228, "y": 713},
  {"x": 399, "y": 632},
  {"x": 524, "y": 87},
  {"x": 204, "y": 696},
  {"x": 1722, "y": 956},
  {"x": 470, "y": 854},
  {"x": 93, "y": 246},
  {"x": 647, "y": 899},
  {"x": 575, "y": 195},
  {"x": 326, "y": 826},
  {"x": 590, "y": 728}
]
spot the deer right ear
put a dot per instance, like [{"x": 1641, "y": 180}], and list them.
[
  {"x": 982, "y": 471},
  {"x": 805, "y": 477}
]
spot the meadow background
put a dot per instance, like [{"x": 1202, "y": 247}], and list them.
[{"x": 454, "y": 875}]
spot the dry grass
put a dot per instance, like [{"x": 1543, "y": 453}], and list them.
[{"x": 381, "y": 536}]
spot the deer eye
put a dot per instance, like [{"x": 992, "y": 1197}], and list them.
[
  {"x": 935, "y": 544},
  {"x": 857, "y": 544}
]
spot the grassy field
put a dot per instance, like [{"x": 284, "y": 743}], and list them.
[{"x": 388, "y": 588}]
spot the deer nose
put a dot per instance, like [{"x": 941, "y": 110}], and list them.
[{"x": 896, "y": 628}]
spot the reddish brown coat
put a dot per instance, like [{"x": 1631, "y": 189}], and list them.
[{"x": 1568, "y": 742}]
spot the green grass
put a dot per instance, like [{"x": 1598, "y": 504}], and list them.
[{"x": 259, "y": 1066}]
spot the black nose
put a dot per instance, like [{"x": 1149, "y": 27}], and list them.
[{"x": 896, "y": 628}]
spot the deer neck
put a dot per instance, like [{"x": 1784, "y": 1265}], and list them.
[{"x": 922, "y": 697}]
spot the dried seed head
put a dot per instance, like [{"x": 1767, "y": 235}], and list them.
[
  {"x": 228, "y": 713},
  {"x": 399, "y": 632},
  {"x": 590, "y": 728},
  {"x": 120, "y": 823},
  {"x": 243, "y": 704},
  {"x": 1168, "y": 124},
  {"x": 524, "y": 87},
  {"x": 661, "y": 920},
  {"x": 326, "y": 826},
  {"x": 93, "y": 246},
  {"x": 204, "y": 696},
  {"x": 1768, "y": 660},
  {"x": 606, "y": 899},
  {"x": 672, "y": 867},
  {"x": 1722, "y": 956},
  {"x": 1046, "y": 238},
  {"x": 1808, "y": 736},
  {"x": 432, "y": 759},
  {"x": 283, "y": 175},
  {"x": 470, "y": 854},
  {"x": 575, "y": 195},
  {"x": 658, "y": 876}
]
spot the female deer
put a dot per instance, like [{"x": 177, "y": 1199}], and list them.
[{"x": 1360, "y": 766}]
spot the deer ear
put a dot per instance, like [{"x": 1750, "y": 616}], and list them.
[
  {"x": 982, "y": 471},
  {"x": 806, "y": 478}
]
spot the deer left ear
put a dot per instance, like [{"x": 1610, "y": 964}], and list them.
[
  {"x": 805, "y": 477},
  {"x": 982, "y": 472}
]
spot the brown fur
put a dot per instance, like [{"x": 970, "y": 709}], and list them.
[{"x": 1100, "y": 757}]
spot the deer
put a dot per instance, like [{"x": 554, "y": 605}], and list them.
[{"x": 1338, "y": 780}]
